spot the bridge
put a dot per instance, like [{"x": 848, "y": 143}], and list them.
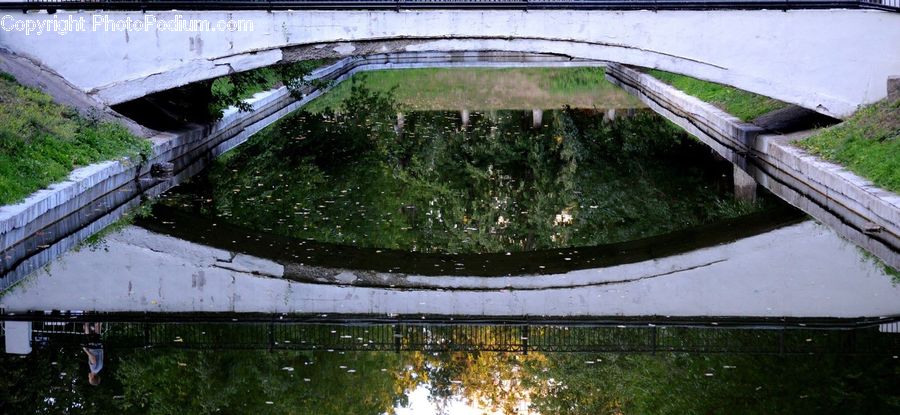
[{"x": 830, "y": 57}]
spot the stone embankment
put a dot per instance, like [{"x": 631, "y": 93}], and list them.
[{"x": 851, "y": 205}]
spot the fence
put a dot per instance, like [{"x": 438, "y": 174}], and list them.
[{"x": 470, "y": 337}]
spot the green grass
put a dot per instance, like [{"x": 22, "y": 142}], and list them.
[
  {"x": 488, "y": 89},
  {"x": 868, "y": 144},
  {"x": 41, "y": 141},
  {"x": 742, "y": 104}
]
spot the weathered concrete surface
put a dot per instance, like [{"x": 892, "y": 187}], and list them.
[
  {"x": 58, "y": 218},
  {"x": 17, "y": 337},
  {"x": 28, "y": 73},
  {"x": 893, "y": 87},
  {"x": 856, "y": 208},
  {"x": 744, "y": 185},
  {"x": 830, "y": 61},
  {"x": 803, "y": 270}
]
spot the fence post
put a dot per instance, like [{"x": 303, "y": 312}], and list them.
[{"x": 526, "y": 331}]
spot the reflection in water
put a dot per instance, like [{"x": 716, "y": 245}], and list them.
[
  {"x": 572, "y": 214},
  {"x": 93, "y": 348},
  {"x": 354, "y": 369},
  {"x": 432, "y": 182}
]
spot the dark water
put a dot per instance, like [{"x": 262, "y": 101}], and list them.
[
  {"x": 205, "y": 368},
  {"x": 500, "y": 182},
  {"x": 707, "y": 304}
]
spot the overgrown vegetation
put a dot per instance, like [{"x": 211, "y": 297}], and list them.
[
  {"x": 41, "y": 141},
  {"x": 485, "y": 89},
  {"x": 742, "y": 104},
  {"x": 497, "y": 184},
  {"x": 233, "y": 89},
  {"x": 868, "y": 144}
]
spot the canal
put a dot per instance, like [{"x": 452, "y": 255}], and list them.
[{"x": 512, "y": 241}]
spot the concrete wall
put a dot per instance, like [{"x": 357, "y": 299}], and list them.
[
  {"x": 830, "y": 61},
  {"x": 804, "y": 270}
]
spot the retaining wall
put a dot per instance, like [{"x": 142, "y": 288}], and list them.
[{"x": 853, "y": 206}]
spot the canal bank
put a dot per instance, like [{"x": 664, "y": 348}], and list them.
[{"x": 859, "y": 211}]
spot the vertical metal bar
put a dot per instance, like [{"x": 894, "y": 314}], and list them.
[
  {"x": 781, "y": 340},
  {"x": 653, "y": 340},
  {"x": 397, "y": 337}
]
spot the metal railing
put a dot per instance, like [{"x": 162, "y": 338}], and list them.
[
  {"x": 467, "y": 337},
  {"x": 52, "y": 5}
]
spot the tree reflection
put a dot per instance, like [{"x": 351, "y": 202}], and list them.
[
  {"x": 495, "y": 185},
  {"x": 174, "y": 381}
]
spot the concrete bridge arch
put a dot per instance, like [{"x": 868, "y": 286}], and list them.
[{"x": 831, "y": 61}]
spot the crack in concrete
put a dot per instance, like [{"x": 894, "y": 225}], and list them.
[
  {"x": 253, "y": 272},
  {"x": 420, "y": 286}
]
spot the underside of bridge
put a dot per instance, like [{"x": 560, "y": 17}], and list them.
[{"x": 830, "y": 61}]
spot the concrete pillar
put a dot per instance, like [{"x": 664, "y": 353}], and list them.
[
  {"x": 610, "y": 114},
  {"x": 744, "y": 186},
  {"x": 18, "y": 337},
  {"x": 464, "y": 115},
  {"x": 893, "y": 88},
  {"x": 537, "y": 118},
  {"x": 398, "y": 128}
]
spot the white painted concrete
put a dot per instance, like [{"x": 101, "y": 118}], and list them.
[
  {"x": 803, "y": 270},
  {"x": 827, "y": 60},
  {"x": 18, "y": 337}
]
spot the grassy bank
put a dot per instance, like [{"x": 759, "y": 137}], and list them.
[
  {"x": 742, "y": 104},
  {"x": 41, "y": 141},
  {"x": 868, "y": 144},
  {"x": 487, "y": 89}
]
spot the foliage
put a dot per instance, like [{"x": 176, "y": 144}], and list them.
[
  {"x": 868, "y": 143},
  {"x": 498, "y": 184},
  {"x": 742, "y": 104},
  {"x": 260, "y": 382},
  {"x": 486, "y": 89},
  {"x": 173, "y": 381},
  {"x": 231, "y": 90},
  {"x": 41, "y": 141},
  {"x": 54, "y": 381},
  {"x": 673, "y": 383}
]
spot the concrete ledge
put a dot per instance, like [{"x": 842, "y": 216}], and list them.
[{"x": 857, "y": 209}]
